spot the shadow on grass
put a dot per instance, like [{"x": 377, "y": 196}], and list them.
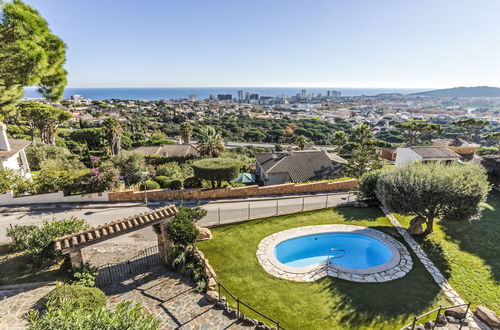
[
  {"x": 354, "y": 214},
  {"x": 18, "y": 268},
  {"x": 437, "y": 254},
  {"x": 479, "y": 237}
]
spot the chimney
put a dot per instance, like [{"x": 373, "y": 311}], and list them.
[{"x": 4, "y": 142}]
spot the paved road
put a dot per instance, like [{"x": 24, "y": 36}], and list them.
[{"x": 229, "y": 210}]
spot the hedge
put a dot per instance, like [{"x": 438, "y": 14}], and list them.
[
  {"x": 79, "y": 296},
  {"x": 217, "y": 169}
]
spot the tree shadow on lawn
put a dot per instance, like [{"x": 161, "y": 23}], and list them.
[
  {"x": 394, "y": 301},
  {"x": 479, "y": 237}
]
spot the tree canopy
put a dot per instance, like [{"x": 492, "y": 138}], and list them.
[
  {"x": 434, "y": 191},
  {"x": 31, "y": 55},
  {"x": 216, "y": 169},
  {"x": 417, "y": 131}
]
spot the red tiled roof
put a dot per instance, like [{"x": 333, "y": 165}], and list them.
[{"x": 114, "y": 228}]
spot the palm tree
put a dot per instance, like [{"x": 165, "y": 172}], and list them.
[
  {"x": 210, "y": 142},
  {"x": 186, "y": 131},
  {"x": 113, "y": 130},
  {"x": 339, "y": 138},
  {"x": 302, "y": 141}
]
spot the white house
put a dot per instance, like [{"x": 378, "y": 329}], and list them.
[
  {"x": 12, "y": 155},
  {"x": 410, "y": 155}
]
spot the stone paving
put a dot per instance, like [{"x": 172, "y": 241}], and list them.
[
  {"x": 400, "y": 264},
  {"x": 17, "y": 301},
  {"x": 169, "y": 298},
  {"x": 448, "y": 290}
]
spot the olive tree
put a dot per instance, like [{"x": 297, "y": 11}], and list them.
[{"x": 434, "y": 191}]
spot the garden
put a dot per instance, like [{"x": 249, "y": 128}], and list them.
[{"x": 328, "y": 302}]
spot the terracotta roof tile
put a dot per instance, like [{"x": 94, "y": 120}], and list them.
[{"x": 114, "y": 228}]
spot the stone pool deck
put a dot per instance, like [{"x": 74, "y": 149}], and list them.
[{"x": 397, "y": 267}]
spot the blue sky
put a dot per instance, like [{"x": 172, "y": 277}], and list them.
[{"x": 288, "y": 43}]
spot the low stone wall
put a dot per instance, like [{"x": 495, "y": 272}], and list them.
[{"x": 230, "y": 192}]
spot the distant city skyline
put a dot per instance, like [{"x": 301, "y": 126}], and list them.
[{"x": 283, "y": 43}]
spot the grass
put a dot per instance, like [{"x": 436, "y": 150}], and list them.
[
  {"x": 329, "y": 303},
  {"x": 15, "y": 268},
  {"x": 468, "y": 254}
]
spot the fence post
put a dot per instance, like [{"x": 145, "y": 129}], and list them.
[
  {"x": 218, "y": 286},
  {"x": 277, "y": 207},
  {"x": 414, "y": 322},
  {"x": 326, "y": 202},
  {"x": 237, "y": 308},
  {"x": 437, "y": 317},
  {"x": 303, "y": 201},
  {"x": 218, "y": 211},
  {"x": 278, "y": 325},
  {"x": 465, "y": 316},
  {"x": 248, "y": 211}
]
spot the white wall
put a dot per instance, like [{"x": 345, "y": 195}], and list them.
[
  {"x": 11, "y": 163},
  {"x": 406, "y": 156},
  {"x": 57, "y": 197}
]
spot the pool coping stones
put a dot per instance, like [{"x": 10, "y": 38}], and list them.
[{"x": 400, "y": 264}]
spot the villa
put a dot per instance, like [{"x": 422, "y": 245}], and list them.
[
  {"x": 169, "y": 150},
  {"x": 297, "y": 166},
  {"x": 12, "y": 154},
  {"x": 406, "y": 156}
]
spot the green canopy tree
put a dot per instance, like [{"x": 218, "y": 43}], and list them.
[
  {"x": 31, "y": 55},
  {"x": 113, "y": 130},
  {"x": 302, "y": 142},
  {"x": 434, "y": 191},
  {"x": 186, "y": 132},
  {"x": 365, "y": 155},
  {"x": 416, "y": 131},
  {"x": 471, "y": 127},
  {"x": 496, "y": 138},
  {"x": 210, "y": 142},
  {"x": 43, "y": 117},
  {"x": 339, "y": 138}
]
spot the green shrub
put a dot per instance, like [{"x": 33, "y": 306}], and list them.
[
  {"x": 217, "y": 170},
  {"x": 12, "y": 180},
  {"x": 20, "y": 236},
  {"x": 150, "y": 185},
  {"x": 162, "y": 180},
  {"x": 51, "y": 179},
  {"x": 368, "y": 185},
  {"x": 174, "y": 171},
  {"x": 38, "y": 243},
  {"x": 65, "y": 316},
  {"x": 79, "y": 296},
  {"x": 38, "y": 153},
  {"x": 175, "y": 185},
  {"x": 182, "y": 230},
  {"x": 85, "y": 276},
  {"x": 193, "y": 182},
  {"x": 487, "y": 151},
  {"x": 131, "y": 166}
]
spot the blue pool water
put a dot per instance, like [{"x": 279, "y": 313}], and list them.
[{"x": 361, "y": 251}]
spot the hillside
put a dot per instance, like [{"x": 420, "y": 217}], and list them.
[{"x": 480, "y": 91}]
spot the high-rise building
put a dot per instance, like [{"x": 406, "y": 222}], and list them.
[
  {"x": 192, "y": 97},
  {"x": 247, "y": 97},
  {"x": 303, "y": 93},
  {"x": 240, "y": 96},
  {"x": 224, "y": 97}
]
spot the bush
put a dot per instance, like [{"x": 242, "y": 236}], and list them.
[
  {"x": 79, "y": 297},
  {"x": 192, "y": 182},
  {"x": 38, "y": 243},
  {"x": 12, "y": 180},
  {"x": 175, "y": 185},
  {"x": 102, "y": 178},
  {"x": 216, "y": 169},
  {"x": 131, "y": 165},
  {"x": 162, "y": 180},
  {"x": 20, "y": 236},
  {"x": 174, "y": 171},
  {"x": 368, "y": 185},
  {"x": 37, "y": 153},
  {"x": 181, "y": 229},
  {"x": 487, "y": 151},
  {"x": 52, "y": 179},
  {"x": 85, "y": 276},
  {"x": 150, "y": 185}
]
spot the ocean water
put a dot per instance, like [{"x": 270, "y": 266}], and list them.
[{"x": 202, "y": 93}]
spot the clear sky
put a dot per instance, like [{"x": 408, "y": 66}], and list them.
[{"x": 278, "y": 43}]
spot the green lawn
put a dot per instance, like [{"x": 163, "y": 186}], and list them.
[
  {"x": 468, "y": 254},
  {"x": 15, "y": 268},
  {"x": 329, "y": 303}
]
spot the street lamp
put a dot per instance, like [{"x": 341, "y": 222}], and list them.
[{"x": 145, "y": 176}]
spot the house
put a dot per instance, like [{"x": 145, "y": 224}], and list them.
[
  {"x": 12, "y": 155},
  {"x": 168, "y": 150},
  {"x": 465, "y": 149},
  {"x": 297, "y": 166},
  {"x": 388, "y": 153},
  {"x": 407, "y": 156}
]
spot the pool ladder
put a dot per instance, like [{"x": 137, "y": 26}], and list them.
[{"x": 331, "y": 256}]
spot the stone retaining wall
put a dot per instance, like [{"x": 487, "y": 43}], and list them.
[{"x": 230, "y": 192}]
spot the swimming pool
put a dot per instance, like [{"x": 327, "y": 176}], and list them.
[
  {"x": 345, "y": 249},
  {"x": 349, "y": 252}
]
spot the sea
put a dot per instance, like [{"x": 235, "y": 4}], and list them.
[{"x": 153, "y": 94}]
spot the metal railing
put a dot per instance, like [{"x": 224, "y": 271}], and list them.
[
  {"x": 245, "y": 211},
  {"x": 239, "y": 303},
  {"x": 439, "y": 309},
  {"x": 116, "y": 271}
]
